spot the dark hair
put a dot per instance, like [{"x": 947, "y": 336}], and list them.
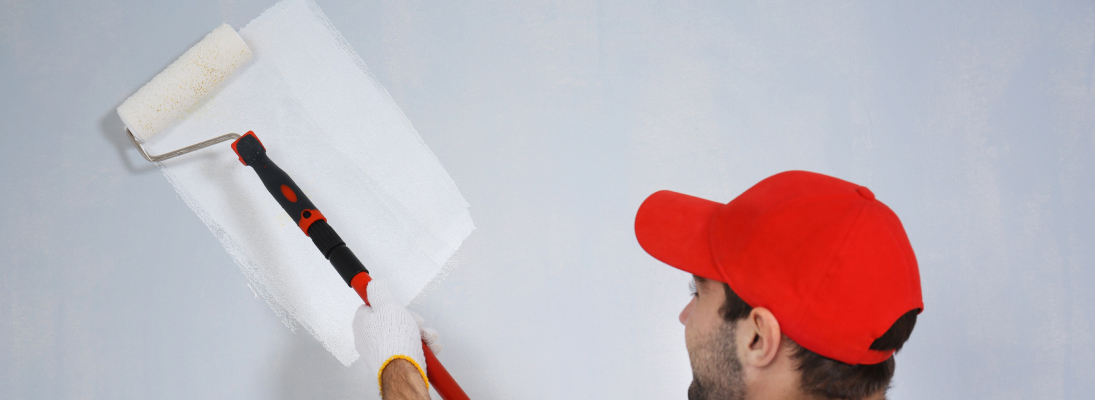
[{"x": 829, "y": 378}]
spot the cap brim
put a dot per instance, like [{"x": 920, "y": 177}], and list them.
[{"x": 674, "y": 228}]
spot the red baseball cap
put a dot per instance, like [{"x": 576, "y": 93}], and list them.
[{"x": 828, "y": 260}]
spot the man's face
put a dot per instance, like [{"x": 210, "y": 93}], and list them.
[{"x": 716, "y": 369}]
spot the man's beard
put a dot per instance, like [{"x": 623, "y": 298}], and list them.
[{"x": 717, "y": 374}]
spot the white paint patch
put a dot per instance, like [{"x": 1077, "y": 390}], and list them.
[{"x": 325, "y": 120}]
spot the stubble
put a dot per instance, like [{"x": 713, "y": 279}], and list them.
[{"x": 716, "y": 369}]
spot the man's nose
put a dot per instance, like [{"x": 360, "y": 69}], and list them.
[{"x": 687, "y": 311}]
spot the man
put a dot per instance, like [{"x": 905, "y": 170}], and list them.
[{"x": 805, "y": 287}]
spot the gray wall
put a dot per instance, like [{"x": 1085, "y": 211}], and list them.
[{"x": 974, "y": 121}]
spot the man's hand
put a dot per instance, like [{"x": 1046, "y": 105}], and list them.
[{"x": 389, "y": 342}]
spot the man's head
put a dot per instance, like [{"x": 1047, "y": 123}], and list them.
[
  {"x": 730, "y": 343},
  {"x": 803, "y": 283}
]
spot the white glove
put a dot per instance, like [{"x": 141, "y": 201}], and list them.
[
  {"x": 429, "y": 335},
  {"x": 387, "y": 331}
]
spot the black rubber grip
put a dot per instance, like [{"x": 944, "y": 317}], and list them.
[
  {"x": 298, "y": 206},
  {"x": 277, "y": 182},
  {"x": 346, "y": 263},
  {"x": 335, "y": 250},
  {"x": 324, "y": 237}
]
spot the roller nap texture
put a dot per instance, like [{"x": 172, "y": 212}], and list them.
[{"x": 184, "y": 83}]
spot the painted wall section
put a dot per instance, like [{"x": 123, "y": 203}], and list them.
[{"x": 326, "y": 122}]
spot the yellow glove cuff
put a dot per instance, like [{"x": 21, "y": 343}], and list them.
[{"x": 380, "y": 374}]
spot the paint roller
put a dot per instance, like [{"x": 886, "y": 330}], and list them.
[{"x": 181, "y": 87}]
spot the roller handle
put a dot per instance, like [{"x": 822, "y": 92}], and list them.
[{"x": 314, "y": 225}]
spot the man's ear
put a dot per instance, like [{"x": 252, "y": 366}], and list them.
[{"x": 763, "y": 335}]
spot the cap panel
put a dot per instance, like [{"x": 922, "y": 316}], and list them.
[
  {"x": 909, "y": 267},
  {"x": 783, "y": 256},
  {"x": 847, "y": 305},
  {"x": 673, "y": 227},
  {"x": 863, "y": 293}
]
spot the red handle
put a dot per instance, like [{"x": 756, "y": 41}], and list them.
[
  {"x": 360, "y": 281},
  {"x": 442, "y": 382}
]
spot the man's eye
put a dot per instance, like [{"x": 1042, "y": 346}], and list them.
[{"x": 692, "y": 288}]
